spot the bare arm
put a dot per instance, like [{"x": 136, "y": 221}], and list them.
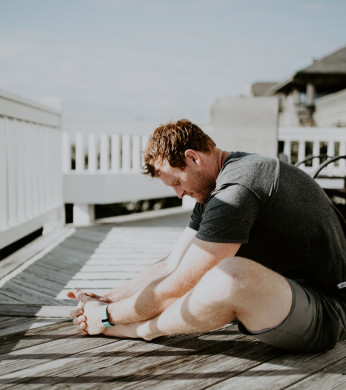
[
  {"x": 184, "y": 273},
  {"x": 179, "y": 274},
  {"x": 154, "y": 272}
]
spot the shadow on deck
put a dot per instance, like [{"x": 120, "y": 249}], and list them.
[{"x": 38, "y": 348}]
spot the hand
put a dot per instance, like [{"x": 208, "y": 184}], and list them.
[
  {"x": 101, "y": 298},
  {"x": 86, "y": 316}
]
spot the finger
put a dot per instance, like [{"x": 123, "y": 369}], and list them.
[
  {"x": 81, "y": 305},
  {"x": 92, "y": 294},
  {"x": 79, "y": 320},
  {"x": 81, "y": 296},
  {"x": 106, "y": 300},
  {"x": 75, "y": 321},
  {"x": 71, "y": 294},
  {"x": 76, "y": 312}
]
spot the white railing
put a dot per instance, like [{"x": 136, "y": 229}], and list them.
[
  {"x": 104, "y": 168},
  {"x": 301, "y": 142},
  {"x": 30, "y": 168}
]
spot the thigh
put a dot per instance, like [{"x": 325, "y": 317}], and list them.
[
  {"x": 315, "y": 322},
  {"x": 259, "y": 297}
]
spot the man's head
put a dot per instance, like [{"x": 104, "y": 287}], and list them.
[
  {"x": 171, "y": 141},
  {"x": 181, "y": 155}
]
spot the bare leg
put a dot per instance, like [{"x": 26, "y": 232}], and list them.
[{"x": 259, "y": 297}]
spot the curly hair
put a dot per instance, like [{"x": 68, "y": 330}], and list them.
[{"x": 170, "y": 141}]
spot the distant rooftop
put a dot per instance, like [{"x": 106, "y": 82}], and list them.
[
  {"x": 328, "y": 74},
  {"x": 262, "y": 88}
]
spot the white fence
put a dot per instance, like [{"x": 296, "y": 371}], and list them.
[
  {"x": 103, "y": 168},
  {"x": 300, "y": 142},
  {"x": 30, "y": 168}
]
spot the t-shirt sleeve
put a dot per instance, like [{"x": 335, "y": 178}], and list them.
[
  {"x": 229, "y": 215},
  {"x": 196, "y": 216}
]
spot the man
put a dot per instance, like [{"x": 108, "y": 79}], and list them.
[{"x": 264, "y": 245}]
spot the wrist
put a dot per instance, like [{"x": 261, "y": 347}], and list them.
[{"x": 104, "y": 315}]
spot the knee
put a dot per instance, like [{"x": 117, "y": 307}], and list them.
[{"x": 241, "y": 273}]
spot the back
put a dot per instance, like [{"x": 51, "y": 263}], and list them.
[{"x": 281, "y": 216}]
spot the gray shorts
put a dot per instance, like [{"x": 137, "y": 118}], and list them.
[{"x": 316, "y": 322}]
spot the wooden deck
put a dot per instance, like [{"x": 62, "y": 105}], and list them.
[{"x": 41, "y": 349}]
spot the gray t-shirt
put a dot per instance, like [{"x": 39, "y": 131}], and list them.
[{"x": 282, "y": 218}]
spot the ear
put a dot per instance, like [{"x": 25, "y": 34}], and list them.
[{"x": 193, "y": 155}]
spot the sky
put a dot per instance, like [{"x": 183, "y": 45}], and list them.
[{"x": 158, "y": 60}]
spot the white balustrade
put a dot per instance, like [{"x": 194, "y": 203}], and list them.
[
  {"x": 112, "y": 173},
  {"x": 301, "y": 142},
  {"x": 321, "y": 141},
  {"x": 30, "y": 168},
  {"x": 104, "y": 153}
]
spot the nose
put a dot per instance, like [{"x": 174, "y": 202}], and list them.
[{"x": 180, "y": 193}]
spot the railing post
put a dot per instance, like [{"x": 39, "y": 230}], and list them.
[
  {"x": 126, "y": 152},
  {"x": 301, "y": 149},
  {"x": 104, "y": 156},
  {"x": 83, "y": 214},
  {"x": 115, "y": 154},
  {"x": 92, "y": 157},
  {"x": 136, "y": 153},
  {"x": 3, "y": 176},
  {"x": 11, "y": 168},
  {"x": 66, "y": 152},
  {"x": 342, "y": 162},
  {"x": 79, "y": 152},
  {"x": 287, "y": 149}
]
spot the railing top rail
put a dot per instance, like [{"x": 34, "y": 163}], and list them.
[
  {"x": 16, "y": 107},
  {"x": 312, "y": 133}
]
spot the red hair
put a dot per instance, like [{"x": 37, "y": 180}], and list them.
[{"x": 170, "y": 141}]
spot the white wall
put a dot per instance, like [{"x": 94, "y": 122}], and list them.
[
  {"x": 246, "y": 124},
  {"x": 330, "y": 110}
]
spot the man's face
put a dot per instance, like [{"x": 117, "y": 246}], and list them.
[{"x": 192, "y": 181}]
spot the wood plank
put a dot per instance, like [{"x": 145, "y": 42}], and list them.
[
  {"x": 104, "y": 275},
  {"x": 94, "y": 284},
  {"x": 331, "y": 377},
  {"x": 286, "y": 370},
  {"x": 30, "y": 310},
  {"x": 23, "y": 324},
  {"x": 35, "y": 336},
  {"x": 14, "y": 365},
  {"x": 38, "y": 284},
  {"x": 6, "y": 299},
  {"x": 28, "y": 295},
  {"x": 10, "y": 263},
  {"x": 112, "y": 359}
]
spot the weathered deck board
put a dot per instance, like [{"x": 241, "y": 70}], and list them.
[{"x": 37, "y": 351}]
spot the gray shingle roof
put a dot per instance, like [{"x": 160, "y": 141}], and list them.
[
  {"x": 333, "y": 63},
  {"x": 328, "y": 74}
]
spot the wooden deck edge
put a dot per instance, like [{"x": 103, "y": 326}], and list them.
[
  {"x": 33, "y": 251},
  {"x": 142, "y": 216}
]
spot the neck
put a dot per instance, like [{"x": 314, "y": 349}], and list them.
[{"x": 221, "y": 158}]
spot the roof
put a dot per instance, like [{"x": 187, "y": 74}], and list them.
[
  {"x": 327, "y": 74},
  {"x": 333, "y": 63},
  {"x": 262, "y": 88}
]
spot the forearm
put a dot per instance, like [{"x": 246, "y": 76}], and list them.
[
  {"x": 154, "y": 289},
  {"x": 146, "y": 277},
  {"x": 156, "y": 271}
]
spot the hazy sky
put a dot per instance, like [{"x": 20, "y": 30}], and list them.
[{"x": 157, "y": 60}]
